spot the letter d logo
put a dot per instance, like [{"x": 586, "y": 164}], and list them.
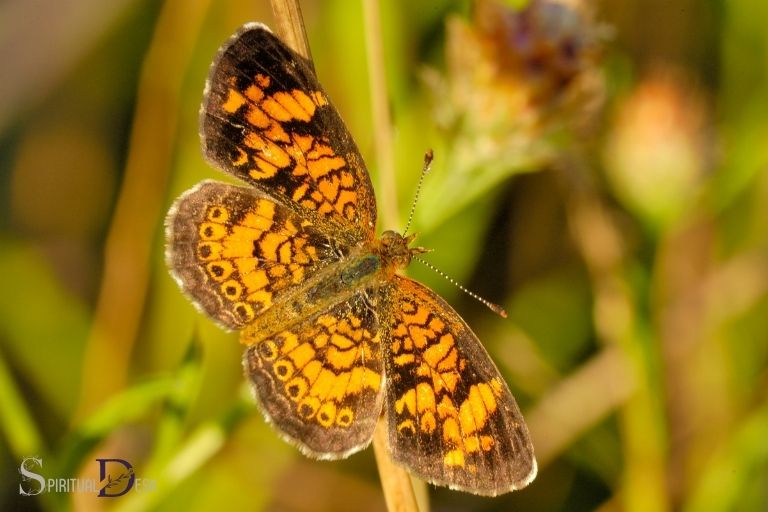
[{"x": 123, "y": 481}]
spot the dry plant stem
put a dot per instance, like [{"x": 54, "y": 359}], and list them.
[
  {"x": 290, "y": 27},
  {"x": 140, "y": 203},
  {"x": 395, "y": 482},
  {"x": 382, "y": 123},
  {"x": 682, "y": 265}
]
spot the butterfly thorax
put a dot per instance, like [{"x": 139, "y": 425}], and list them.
[
  {"x": 394, "y": 251},
  {"x": 364, "y": 269}
]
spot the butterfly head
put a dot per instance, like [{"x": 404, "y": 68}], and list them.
[{"x": 395, "y": 251}]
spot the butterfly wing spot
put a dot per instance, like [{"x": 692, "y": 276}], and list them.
[
  {"x": 308, "y": 407},
  {"x": 217, "y": 214},
  {"x": 232, "y": 290},
  {"x": 326, "y": 414},
  {"x": 296, "y": 388},
  {"x": 244, "y": 311},
  {"x": 263, "y": 80},
  {"x": 207, "y": 251},
  {"x": 345, "y": 417},
  {"x": 268, "y": 350},
  {"x": 220, "y": 270}
]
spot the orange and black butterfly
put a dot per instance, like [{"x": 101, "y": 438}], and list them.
[{"x": 335, "y": 336}]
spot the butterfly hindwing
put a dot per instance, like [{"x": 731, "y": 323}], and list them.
[
  {"x": 319, "y": 381},
  {"x": 236, "y": 251},
  {"x": 452, "y": 419}
]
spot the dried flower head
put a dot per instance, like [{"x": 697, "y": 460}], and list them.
[
  {"x": 517, "y": 85},
  {"x": 542, "y": 49}
]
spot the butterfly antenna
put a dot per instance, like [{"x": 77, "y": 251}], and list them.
[
  {"x": 424, "y": 170},
  {"x": 490, "y": 305}
]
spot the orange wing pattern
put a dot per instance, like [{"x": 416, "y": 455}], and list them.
[
  {"x": 320, "y": 381},
  {"x": 452, "y": 419},
  {"x": 236, "y": 251},
  {"x": 266, "y": 120}
]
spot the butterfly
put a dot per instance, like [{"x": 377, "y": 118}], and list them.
[{"x": 335, "y": 336}]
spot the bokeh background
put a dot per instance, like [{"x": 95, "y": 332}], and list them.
[{"x": 600, "y": 171}]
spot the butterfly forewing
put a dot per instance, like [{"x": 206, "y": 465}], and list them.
[
  {"x": 320, "y": 380},
  {"x": 266, "y": 120}
]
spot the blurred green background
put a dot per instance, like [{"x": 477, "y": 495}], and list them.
[{"x": 600, "y": 171}]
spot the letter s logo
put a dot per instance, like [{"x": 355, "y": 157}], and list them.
[{"x": 27, "y": 475}]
